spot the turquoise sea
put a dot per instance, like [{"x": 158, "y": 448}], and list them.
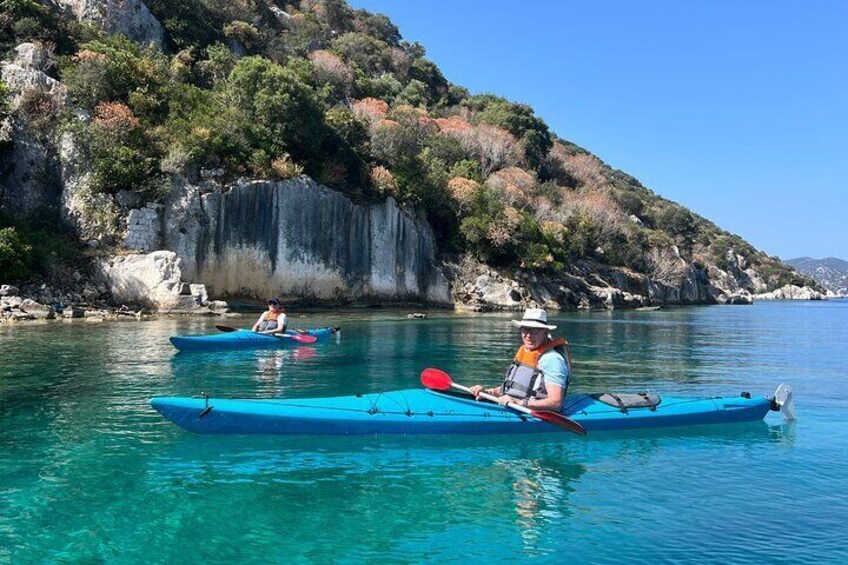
[{"x": 89, "y": 473}]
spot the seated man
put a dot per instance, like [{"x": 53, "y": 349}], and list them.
[{"x": 538, "y": 377}]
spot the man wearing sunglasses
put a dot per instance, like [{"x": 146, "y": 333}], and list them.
[{"x": 538, "y": 376}]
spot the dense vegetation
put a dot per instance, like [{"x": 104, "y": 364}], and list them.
[{"x": 278, "y": 89}]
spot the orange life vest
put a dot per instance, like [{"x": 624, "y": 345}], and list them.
[
  {"x": 524, "y": 379},
  {"x": 270, "y": 321}
]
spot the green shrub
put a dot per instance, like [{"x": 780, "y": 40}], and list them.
[
  {"x": 122, "y": 157},
  {"x": 110, "y": 69},
  {"x": 350, "y": 128},
  {"x": 467, "y": 168},
  {"x": 677, "y": 221},
  {"x": 15, "y": 259},
  {"x": 433, "y": 87},
  {"x": 217, "y": 65},
  {"x": 28, "y": 20},
  {"x": 188, "y": 23},
  {"x": 279, "y": 114},
  {"x": 377, "y": 26},
  {"x": 415, "y": 93},
  {"x": 372, "y": 56},
  {"x": 245, "y": 34},
  {"x": 384, "y": 87}
]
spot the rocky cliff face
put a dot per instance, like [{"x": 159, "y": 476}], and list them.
[
  {"x": 301, "y": 240},
  {"x": 587, "y": 286},
  {"x": 129, "y": 17},
  {"x": 29, "y": 163}
]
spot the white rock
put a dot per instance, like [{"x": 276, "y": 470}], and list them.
[{"x": 130, "y": 17}]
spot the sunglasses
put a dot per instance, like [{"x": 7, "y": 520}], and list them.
[{"x": 531, "y": 330}]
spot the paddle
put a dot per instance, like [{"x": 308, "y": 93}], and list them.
[
  {"x": 436, "y": 379},
  {"x": 300, "y": 338}
]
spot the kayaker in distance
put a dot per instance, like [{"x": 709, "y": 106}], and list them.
[
  {"x": 538, "y": 377},
  {"x": 273, "y": 320}
]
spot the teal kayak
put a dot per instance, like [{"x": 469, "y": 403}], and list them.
[
  {"x": 244, "y": 339},
  {"x": 421, "y": 411}
]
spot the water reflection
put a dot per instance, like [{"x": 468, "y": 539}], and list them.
[
  {"x": 263, "y": 373},
  {"x": 541, "y": 489}
]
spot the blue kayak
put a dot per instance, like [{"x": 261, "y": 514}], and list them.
[
  {"x": 244, "y": 339},
  {"x": 421, "y": 411}
]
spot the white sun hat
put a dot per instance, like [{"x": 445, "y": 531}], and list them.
[{"x": 534, "y": 318}]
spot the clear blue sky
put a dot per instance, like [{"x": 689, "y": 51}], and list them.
[{"x": 737, "y": 110}]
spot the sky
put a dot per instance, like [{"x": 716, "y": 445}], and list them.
[{"x": 736, "y": 110}]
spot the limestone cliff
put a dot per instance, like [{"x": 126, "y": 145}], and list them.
[{"x": 300, "y": 240}]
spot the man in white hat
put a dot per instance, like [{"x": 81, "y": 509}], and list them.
[{"x": 538, "y": 377}]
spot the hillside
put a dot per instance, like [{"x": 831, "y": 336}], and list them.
[
  {"x": 163, "y": 94},
  {"x": 830, "y": 272}
]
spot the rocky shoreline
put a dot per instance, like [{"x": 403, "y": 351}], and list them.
[
  {"x": 138, "y": 286},
  {"x": 123, "y": 287}
]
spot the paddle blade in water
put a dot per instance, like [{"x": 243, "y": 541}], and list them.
[
  {"x": 225, "y": 329},
  {"x": 436, "y": 379},
  {"x": 558, "y": 419}
]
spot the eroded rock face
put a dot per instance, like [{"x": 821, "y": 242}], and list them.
[
  {"x": 28, "y": 162},
  {"x": 301, "y": 240},
  {"x": 129, "y": 17}
]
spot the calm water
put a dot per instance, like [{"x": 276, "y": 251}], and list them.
[{"x": 90, "y": 473}]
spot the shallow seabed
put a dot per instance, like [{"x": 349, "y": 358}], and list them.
[{"x": 90, "y": 473}]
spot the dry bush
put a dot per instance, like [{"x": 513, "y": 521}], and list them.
[
  {"x": 462, "y": 190},
  {"x": 501, "y": 231},
  {"x": 400, "y": 61},
  {"x": 554, "y": 229},
  {"x": 384, "y": 181},
  {"x": 285, "y": 168},
  {"x": 566, "y": 166},
  {"x": 85, "y": 56},
  {"x": 494, "y": 147},
  {"x": 39, "y": 108},
  {"x": 452, "y": 124},
  {"x": 597, "y": 207},
  {"x": 514, "y": 184},
  {"x": 114, "y": 119},
  {"x": 415, "y": 118},
  {"x": 370, "y": 110},
  {"x": 329, "y": 68}
]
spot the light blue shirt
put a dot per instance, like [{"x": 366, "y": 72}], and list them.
[{"x": 554, "y": 368}]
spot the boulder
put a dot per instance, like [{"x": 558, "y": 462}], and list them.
[
  {"x": 129, "y": 17},
  {"x": 23, "y": 74},
  {"x": 33, "y": 56},
  {"x": 38, "y": 311},
  {"x": 9, "y": 290},
  {"x": 153, "y": 280}
]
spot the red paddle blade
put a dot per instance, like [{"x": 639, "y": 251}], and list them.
[
  {"x": 303, "y": 338},
  {"x": 558, "y": 419},
  {"x": 436, "y": 379}
]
